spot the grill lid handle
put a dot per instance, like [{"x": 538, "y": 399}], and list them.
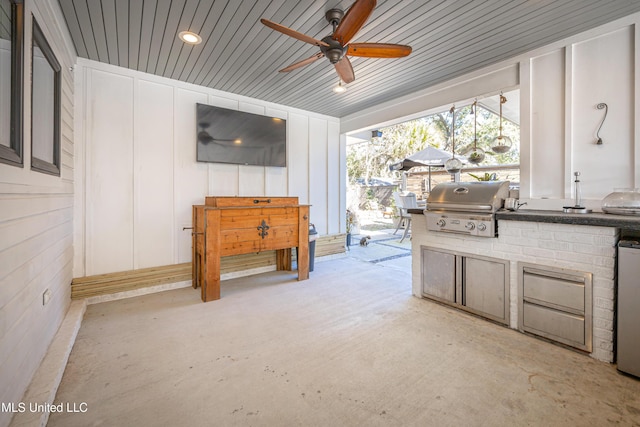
[{"x": 461, "y": 190}]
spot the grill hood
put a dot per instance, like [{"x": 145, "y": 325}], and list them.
[{"x": 468, "y": 196}]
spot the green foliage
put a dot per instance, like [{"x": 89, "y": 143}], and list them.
[
  {"x": 372, "y": 158},
  {"x": 370, "y": 194},
  {"x": 486, "y": 177}
]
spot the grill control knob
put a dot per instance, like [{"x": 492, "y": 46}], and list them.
[
  {"x": 441, "y": 223},
  {"x": 470, "y": 226},
  {"x": 482, "y": 226}
]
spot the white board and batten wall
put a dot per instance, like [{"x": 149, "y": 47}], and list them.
[
  {"x": 560, "y": 86},
  {"x": 36, "y": 227},
  {"x": 564, "y": 86},
  {"x": 141, "y": 177}
]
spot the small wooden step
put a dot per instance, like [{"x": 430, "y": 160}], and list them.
[
  {"x": 102, "y": 284},
  {"x": 122, "y": 281},
  {"x": 143, "y": 272},
  {"x": 330, "y": 245}
]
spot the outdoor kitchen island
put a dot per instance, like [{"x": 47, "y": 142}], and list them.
[{"x": 560, "y": 273}]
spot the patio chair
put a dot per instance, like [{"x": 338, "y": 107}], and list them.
[{"x": 403, "y": 202}]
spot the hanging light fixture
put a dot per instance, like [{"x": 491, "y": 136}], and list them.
[
  {"x": 501, "y": 143},
  {"x": 476, "y": 155},
  {"x": 339, "y": 88},
  {"x": 453, "y": 165}
]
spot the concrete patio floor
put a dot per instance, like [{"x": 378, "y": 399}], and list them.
[
  {"x": 384, "y": 248},
  {"x": 349, "y": 347}
]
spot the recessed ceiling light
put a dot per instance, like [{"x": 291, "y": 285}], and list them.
[{"x": 189, "y": 37}]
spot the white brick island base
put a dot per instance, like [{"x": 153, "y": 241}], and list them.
[{"x": 585, "y": 248}]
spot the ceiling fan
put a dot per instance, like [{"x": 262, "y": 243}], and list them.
[{"x": 336, "y": 46}]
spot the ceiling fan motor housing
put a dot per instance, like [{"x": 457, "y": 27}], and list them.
[
  {"x": 335, "y": 51},
  {"x": 334, "y": 16}
]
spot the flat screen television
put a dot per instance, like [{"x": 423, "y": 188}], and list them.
[{"x": 236, "y": 137}]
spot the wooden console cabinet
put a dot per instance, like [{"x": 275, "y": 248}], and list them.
[{"x": 226, "y": 226}]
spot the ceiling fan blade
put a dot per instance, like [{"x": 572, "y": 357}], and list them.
[
  {"x": 378, "y": 50},
  {"x": 302, "y": 63},
  {"x": 292, "y": 33},
  {"x": 353, "y": 20},
  {"x": 345, "y": 70}
]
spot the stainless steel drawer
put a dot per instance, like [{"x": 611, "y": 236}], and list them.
[
  {"x": 553, "y": 324},
  {"x": 556, "y": 292},
  {"x": 556, "y": 303}
]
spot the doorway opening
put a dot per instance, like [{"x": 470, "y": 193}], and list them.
[{"x": 375, "y": 157}]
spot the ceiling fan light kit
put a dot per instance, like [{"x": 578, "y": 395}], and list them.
[
  {"x": 336, "y": 47},
  {"x": 339, "y": 88}
]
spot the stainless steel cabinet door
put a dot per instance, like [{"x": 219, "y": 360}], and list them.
[
  {"x": 484, "y": 287},
  {"x": 439, "y": 275}
]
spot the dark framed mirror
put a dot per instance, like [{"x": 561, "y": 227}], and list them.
[
  {"x": 11, "y": 81},
  {"x": 45, "y": 105}
]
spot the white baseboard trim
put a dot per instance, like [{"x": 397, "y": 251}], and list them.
[
  {"x": 44, "y": 384},
  {"x": 170, "y": 286},
  {"x": 187, "y": 283},
  {"x": 137, "y": 292}
]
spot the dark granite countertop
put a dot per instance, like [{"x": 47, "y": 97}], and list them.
[{"x": 626, "y": 222}]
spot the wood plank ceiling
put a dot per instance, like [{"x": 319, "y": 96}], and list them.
[{"x": 240, "y": 55}]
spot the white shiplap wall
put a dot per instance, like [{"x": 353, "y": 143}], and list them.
[
  {"x": 36, "y": 229},
  {"x": 138, "y": 137}
]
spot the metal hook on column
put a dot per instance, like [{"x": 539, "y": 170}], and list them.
[{"x": 600, "y": 106}]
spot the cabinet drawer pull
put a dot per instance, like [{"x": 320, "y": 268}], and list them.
[{"x": 256, "y": 201}]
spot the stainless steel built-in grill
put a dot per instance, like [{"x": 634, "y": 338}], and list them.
[{"x": 466, "y": 207}]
